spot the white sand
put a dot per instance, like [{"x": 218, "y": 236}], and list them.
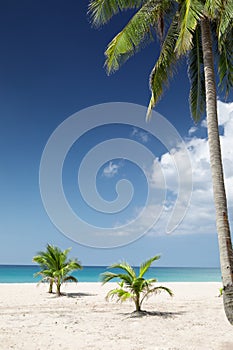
[{"x": 33, "y": 319}]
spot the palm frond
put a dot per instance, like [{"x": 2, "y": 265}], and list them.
[
  {"x": 225, "y": 64},
  {"x": 156, "y": 290},
  {"x": 189, "y": 15},
  {"x": 126, "y": 267},
  {"x": 149, "y": 281},
  {"x": 161, "y": 288},
  {"x": 138, "y": 285},
  {"x": 70, "y": 278},
  {"x": 145, "y": 265},
  {"x": 164, "y": 67},
  {"x": 196, "y": 77},
  {"x": 107, "y": 276},
  {"x": 222, "y": 12},
  {"x": 74, "y": 265},
  {"x": 213, "y": 7},
  {"x": 101, "y": 11},
  {"x": 136, "y": 34},
  {"x": 122, "y": 294}
]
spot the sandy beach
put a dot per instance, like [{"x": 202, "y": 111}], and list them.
[{"x": 82, "y": 319}]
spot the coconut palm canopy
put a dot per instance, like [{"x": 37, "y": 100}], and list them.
[
  {"x": 202, "y": 32},
  {"x": 177, "y": 25}
]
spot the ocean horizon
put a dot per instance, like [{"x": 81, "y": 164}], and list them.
[{"x": 24, "y": 274}]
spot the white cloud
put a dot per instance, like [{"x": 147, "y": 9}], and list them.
[
  {"x": 200, "y": 215},
  {"x": 192, "y": 130},
  {"x": 142, "y": 136},
  {"x": 111, "y": 169},
  {"x": 204, "y": 123}
]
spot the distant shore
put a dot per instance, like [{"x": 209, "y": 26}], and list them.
[{"x": 82, "y": 319}]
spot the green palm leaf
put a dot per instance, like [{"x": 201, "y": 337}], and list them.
[
  {"x": 101, "y": 11},
  {"x": 126, "y": 267},
  {"x": 156, "y": 290},
  {"x": 108, "y": 276},
  {"x": 164, "y": 67},
  {"x": 122, "y": 294},
  {"x": 225, "y": 63},
  {"x": 136, "y": 34},
  {"x": 189, "y": 14},
  {"x": 146, "y": 265},
  {"x": 213, "y": 7},
  {"x": 222, "y": 12},
  {"x": 70, "y": 278},
  {"x": 196, "y": 77}
]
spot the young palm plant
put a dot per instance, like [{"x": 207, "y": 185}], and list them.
[
  {"x": 55, "y": 268},
  {"x": 131, "y": 286},
  {"x": 201, "y": 30}
]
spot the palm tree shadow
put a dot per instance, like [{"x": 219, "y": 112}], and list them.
[
  {"x": 144, "y": 313},
  {"x": 79, "y": 295},
  {"x": 71, "y": 295}
]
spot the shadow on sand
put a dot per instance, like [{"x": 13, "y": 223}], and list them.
[
  {"x": 144, "y": 313},
  {"x": 78, "y": 295},
  {"x": 71, "y": 295}
]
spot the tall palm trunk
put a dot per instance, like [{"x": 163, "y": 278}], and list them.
[{"x": 223, "y": 230}]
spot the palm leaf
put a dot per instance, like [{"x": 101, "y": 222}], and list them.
[
  {"x": 222, "y": 12},
  {"x": 225, "y": 63},
  {"x": 196, "y": 78},
  {"x": 213, "y": 7},
  {"x": 138, "y": 285},
  {"x": 189, "y": 14},
  {"x": 150, "y": 281},
  {"x": 70, "y": 278},
  {"x": 137, "y": 33},
  {"x": 101, "y": 11},
  {"x": 120, "y": 293},
  {"x": 164, "y": 67},
  {"x": 107, "y": 276},
  {"x": 161, "y": 288},
  {"x": 145, "y": 265},
  {"x": 126, "y": 267},
  {"x": 156, "y": 290}
]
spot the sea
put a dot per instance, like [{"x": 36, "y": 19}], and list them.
[{"x": 25, "y": 274}]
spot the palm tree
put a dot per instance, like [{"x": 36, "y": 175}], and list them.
[
  {"x": 55, "y": 268},
  {"x": 133, "y": 287},
  {"x": 202, "y": 31}
]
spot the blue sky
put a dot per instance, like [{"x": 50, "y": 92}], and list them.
[{"x": 51, "y": 67}]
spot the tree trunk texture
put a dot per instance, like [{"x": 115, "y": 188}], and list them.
[
  {"x": 222, "y": 223},
  {"x": 50, "y": 286},
  {"x": 137, "y": 304}
]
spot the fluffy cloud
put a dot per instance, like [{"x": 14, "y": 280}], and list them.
[
  {"x": 200, "y": 215},
  {"x": 192, "y": 130},
  {"x": 111, "y": 169}
]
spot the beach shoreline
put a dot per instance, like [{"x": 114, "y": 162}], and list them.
[{"x": 31, "y": 318}]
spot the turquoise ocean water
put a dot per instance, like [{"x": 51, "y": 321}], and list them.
[{"x": 24, "y": 274}]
